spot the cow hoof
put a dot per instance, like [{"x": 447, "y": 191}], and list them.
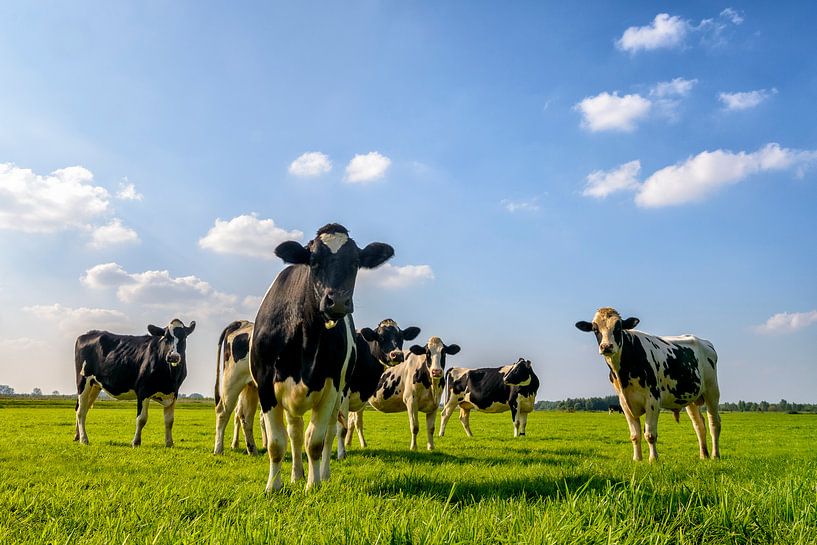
[
  {"x": 169, "y": 444},
  {"x": 218, "y": 451},
  {"x": 275, "y": 487},
  {"x": 522, "y": 435},
  {"x": 135, "y": 444}
]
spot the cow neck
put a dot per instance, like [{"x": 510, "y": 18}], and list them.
[{"x": 618, "y": 359}]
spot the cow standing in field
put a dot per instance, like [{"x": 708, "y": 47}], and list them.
[
  {"x": 377, "y": 350},
  {"x": 614, "y": 408},
  {"x": 650, "y": 373},
  {"x": 415, "y": 385},
  {"x": 235, "y": 389},
  {"x": 303, "y": 343},
  {"x": 491, "y": 390},
  {"x": 132, "y": 367}
]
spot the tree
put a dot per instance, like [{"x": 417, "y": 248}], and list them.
[
  {"x": 36, "y": 392},
  {"x": 6, "y": 390},
  {"x": 55, "y": 393}
]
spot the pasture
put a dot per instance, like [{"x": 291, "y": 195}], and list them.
[{"x": 570, "y": 480}]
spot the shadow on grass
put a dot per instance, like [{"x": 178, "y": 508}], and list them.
[{"x": 524, "y": 457}]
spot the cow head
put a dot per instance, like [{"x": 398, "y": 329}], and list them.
[
  {"x": 175, "y": 336},
  {"x": 386, "y": 342},
  {"x": 609, "y": 330},
  {"x": 333, "y": 260},
  {"x": 518, "y": 374},
  {"x": 435, "y": 351}
]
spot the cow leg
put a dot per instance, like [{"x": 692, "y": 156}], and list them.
[
  {"x": 714, "y": 423},
  {"x": 249, "y": 404},
  {"x": 523, "y": 422},
  {"x": 516, "y": 421},
  {"x": 634, "y": 423},
  {"x": 85, "y": 400},
  {"x": 276, "y": 446},
  {"x": 169, "y": 411},
  {"x": 141, "y": 420},
  {"x": 226, "y": 405},
  {"x": 326, "y": 455},
  {"x": 262, "y": 424},
  {"x": 238, "y": 414},
  {"x": 448, "y": 410},
  {"x": 430, "y": 418},
  {"x": 295, "y": 429},
  {"x": 359, "y": 426},
  {"x": 343, "y": 428},
  {"x": 465, "y": 420},
  {"x": 700, "y": 428},
  {"x": 414, "y": 427},
  {"x": 651, "y": 428},
  {"x": 351, "y": 426},
  {"x": 316, "y": 434}
]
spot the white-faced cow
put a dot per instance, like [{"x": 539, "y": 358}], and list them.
[
  {"x": 235, "y": 389},
  {"x": 302, "y": 345},
  {"x": 132, "y": 367},
  {"x": 650, "y": 373},
  {"x": 491, "y": 390},
  {"x": 377, "y": 350},
  {"x": 416, "y": 385}
]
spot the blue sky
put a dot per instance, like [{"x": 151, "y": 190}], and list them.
[{"x": 529, "y": 163}]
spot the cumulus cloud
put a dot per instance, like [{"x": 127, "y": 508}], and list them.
[
  {"x": 112, "y": 234},
  {"x": 665, "y": 31},
  {"x": 677, "y": 87},
  {"x": 530, "y": 205},
  {"x": 788, "y": 322},
  {"x": 367, "y": 168},
  {"x": 64, "y": 199},
  {"x": 601, "y": 183},
  {"x": 606, "y": 112},
  {"x": 127, "y": 192},
  {"x": 248, "y": 236},
  {"x": 745, "y": 100},
  {"x": 310, "y": 164},
  {"x": 79, "y": 320},
  {"x": 395, "y": 276},
  {"x": 734, "y": 16}
]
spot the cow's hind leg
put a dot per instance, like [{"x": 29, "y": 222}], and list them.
[
  {"x": 295, "y": 429},
  {"x": 276, "y": 446},
  {"x": 342, "y": 428},
  {"x": 85, "y": 399},
  {"x": 465, "y": 420},
  {"x": 523, "y": 422},
  {"x": 634, "y": 423},
  {"x": 170, "y": 411},
  {"x": 230, "y": 393},
  {"x": 448, "y": 410},
  {"x": 249, "y": 404},
  {"x": 358, "y": 419},
  {"x": 714, "y": 423},
  {"x": 141, "y": 420},
  {"x": 700, "y": 428}
]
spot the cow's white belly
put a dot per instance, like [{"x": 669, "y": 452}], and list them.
[
  {"x": 393, "y": 404},
  {"x": 124, "y": 396},
  {"x": 166, "y": 400}
]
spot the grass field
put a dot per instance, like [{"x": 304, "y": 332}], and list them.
[{"x": 570, "y": 480}]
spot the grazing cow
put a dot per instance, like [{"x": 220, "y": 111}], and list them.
[
  {"x": 234, "y": 386},
  {"x": 377, "y": 350},
  {"x": 132, "y": 367},
  {"x": 491, "y": 390},
  {"x": 650, "y": 373},
  {"x": 303, "y": 343},
  {"x": 614, "y": 408},
  {"x": 415, "y": 385}
]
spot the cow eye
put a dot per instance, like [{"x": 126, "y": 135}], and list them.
[{"x": 595, "y": 328}]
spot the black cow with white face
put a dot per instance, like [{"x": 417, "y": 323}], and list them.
[
  {"x": 377, "y": 350},
  {"x": 491, "y": 390},
  {"x": 132, "y": 367},
  {"x": 303, "y": 343}
]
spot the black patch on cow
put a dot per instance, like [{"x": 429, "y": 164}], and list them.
[
  {"x": 422, "y": 376},
  {"x": 634, "y": 365},
  {"x": 241, "y": 346},
  {"x": 682, "y": 367},
  {"x": 388, "y": 384}
]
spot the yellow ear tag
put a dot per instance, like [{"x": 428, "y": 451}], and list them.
[{"x": 330, "y": 324}]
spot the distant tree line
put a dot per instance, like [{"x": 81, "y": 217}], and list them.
[
  {"x": 6, "y": 390},
  {"x": 603, "y": 404}
]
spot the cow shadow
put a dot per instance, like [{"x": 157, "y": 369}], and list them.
[{"x": 523, "y": 457}]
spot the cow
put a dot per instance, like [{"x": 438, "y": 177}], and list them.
[
  {"x": 614, "y": 408},
  {"x": 132, "y": 367},
  {"x": 377, "y": 350},
  {"x": 303, "y": 343},
  {"x": 415, "y": 385},
  {"x": 650, "y": 373},
  {"x": 491, "y": 390},
  {"x": 235, "y": 389}
]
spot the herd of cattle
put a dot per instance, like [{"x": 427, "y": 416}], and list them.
[{"x": 303, "y": 353}]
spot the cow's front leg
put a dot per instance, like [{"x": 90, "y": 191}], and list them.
[
  {"x": 414, "y": 426},
  {"x": 651, "y": 428},
  {"x": 634, "y": 423},
  {"x": 316, "y": 433},
  {"x": 326, "y": 455},
  {"x": 516, "y": 421},
  {"x": 430, "y": 418},
  {"x": 170, "y": 411},
  {"x": 276, "y": 445},
  {"x": 295, "y": 429},
  {"x": 358, "y": 420},
  {"x": 343, "y": 427},
  {"x": 85, "y": 399},
  {"x": 141, "y": 420},
  {"x": 465, "y": 420},
  {"x": 700, "y": 428},
  {"x": 523, "y": 423}
]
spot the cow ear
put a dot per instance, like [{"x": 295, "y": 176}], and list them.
[
  {"x": 630, "y": 323},
  {"x": 417, "y": 350},
  {"x": 584, "y": 326},
  {"x": 192, "y": 327},
  {"x": 155, "y": 330},
  {"x": 452, "y": 349},
  {"x": 375, "y": 254},
  {"x": 369, "y": 334},
  {"x": 292, "y": 252},
  {"x": 410, "y": 333}
]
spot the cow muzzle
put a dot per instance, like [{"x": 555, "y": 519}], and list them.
[
  {"x": 396, "y": 356},
  {"x": 606, "y": 349},
  {"x": 174, "y": 358},
  {"x": 436, "y": 373},
  {"x": 335, "y": 305}
]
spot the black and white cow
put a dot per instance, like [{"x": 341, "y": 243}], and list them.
[
  {"x": 491, "y": 390},
  {"x": 415, "y": 385},
  {"x": 302, "y": 345},
  {"x": 132, "y": 367},
  {"x": 235, "y": 389},
  {"x": 650, "y": 373},
  {"x": 377, "y": 350}
]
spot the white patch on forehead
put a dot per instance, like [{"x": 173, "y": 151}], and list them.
[{"x": 334, "y": 241}]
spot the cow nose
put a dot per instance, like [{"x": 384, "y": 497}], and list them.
[
  {"x": 336, "y": 303},
  {"x": 436, "y": 373},
  {"x": 174, "y": 358},
  {"x": 605, "y": 348},
  {"x": 396, "y": 356}
]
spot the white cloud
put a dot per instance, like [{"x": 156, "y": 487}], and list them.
[
  {"x": 788, "y": 322},
  {"x": 112, "y": 234},
  {"x": 665, "y": 31},
  {"x": 734, "y": 16},
  {"x": 64, "y": 199},
  {"x": 703, "y": 174},
  {"x": 601, "y": 183},
  {"x": 310, "y": 164},
  {"x": 745, "y": 100},
  {"x": 22, "y": 344},
  {"x": 396, "y": 277},
  {"x": 606, "y": 112},
  {"x": 127, "y": 191},
  {"x": 79, "y": 320},
  {"x": 531, "y": 205},
  {"x": 247, "y": 235},
  {"x": 367, "y": 168},
  {"x": 253, "y": 302},
  {"x": 677, "y": 87}
]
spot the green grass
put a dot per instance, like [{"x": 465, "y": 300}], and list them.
[{"x": 570, "y": 480}]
